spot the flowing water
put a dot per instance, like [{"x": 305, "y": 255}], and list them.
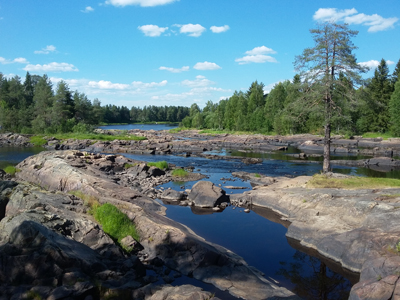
[{"x": 156, "y": 127}]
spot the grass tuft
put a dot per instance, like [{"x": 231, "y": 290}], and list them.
[
  {"x": 11, "y": 170},
  {"x": 179, "y": 173},
  {"x": 257, "y": 175},
  {"x": 37, "y": 140},
  {"x": 88, "y": 200},
  {"x": 323, "y": 181},
  {"x": 114, "y": 222},
  {"x": 163, "y": 165}
]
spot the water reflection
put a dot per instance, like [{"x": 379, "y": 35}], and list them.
[{"x": 321, "y": 284}]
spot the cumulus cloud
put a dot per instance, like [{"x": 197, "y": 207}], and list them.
[
  {"x": 107, "y": 85},
  {"x": 191, "y": 29},
  {"x": 144, "y": 85},
  {"x": 219, "y": 29},
  {"x": 51, "y": 67},
  {"x": 87, "y": 9},
  {"x": 144, "y": 3},
  {"x": 19, "y": 60},
  {"x": 260, "y": 50},
  {"x": 152, "y": 30},
  {"x": 200, "y": 81},
  {"x": 47, "y": 50},
  {"x": 375, "y": 22},
  {"x": 204, "y": 66},
  {"x": 174, "y": 70},
  {"x": 373, "y": 64},
  {"x": 257, "y": 55}
]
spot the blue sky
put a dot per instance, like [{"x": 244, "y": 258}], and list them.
[{"x": 177, "y": 52}]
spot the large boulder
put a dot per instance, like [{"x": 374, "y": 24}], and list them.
[{"x": 206, "y": 194}]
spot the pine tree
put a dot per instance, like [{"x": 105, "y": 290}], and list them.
[{"x": 319, "y": 67}]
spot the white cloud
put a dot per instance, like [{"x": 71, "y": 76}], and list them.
[
  {"x": 260, "y": 58},
  {"x": 373, "y": 64},
  {"x": 332, "y": 14},
  {"x": 152, "y": 30},
  {"x": 191, "y": 29},
  {"x": 257, "y": 55},
  {"x": 87, "y": 9},
  {"x": 19, "y": 60},
  {"x": 375, "y": 22},
  {"x": 52, "y": 67},
  {"x": 173, "y": 70},
  {"x": 47, "y": 50},
  {"x": 200, "y": 81},
  {"x": 203, "y": 66},
  {"x": 219, "y": 29},
  {"x": 107, "y": 85},
  {"x": 144, "y": 85},
  {"x": 144, "y": 3},
  {"x": 260, "y": 50}
]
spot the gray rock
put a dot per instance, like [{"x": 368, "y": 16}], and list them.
[{"x": 206, "y": 194}]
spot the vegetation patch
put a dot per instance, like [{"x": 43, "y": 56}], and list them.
[
  {"x": 37, "y": 140},
  {"x": 11, "y": 170},
  {"x": 177, "y": 130},
  {"x": 374, "y": 135},
  {"x": 323, "y": 181},
  {"x": 114, "y": 222},
  {"x": 163, "y": 165},
  {"x": 88, "y": 200},
  {"x": 180, "y": 173},
  {"x": 257, "y": 175},
  {"x": 127, "y": 166}
]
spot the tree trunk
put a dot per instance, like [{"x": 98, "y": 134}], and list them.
[{"x": 327, "y": 149}]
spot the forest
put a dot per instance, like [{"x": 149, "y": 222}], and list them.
[
  {"x": 374, "y": 107},
  {"x": 35, "y": 106}
]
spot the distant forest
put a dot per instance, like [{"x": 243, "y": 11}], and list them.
[
  {"x": 34, "y": 106},
  {"x": 373, "y": 107}
]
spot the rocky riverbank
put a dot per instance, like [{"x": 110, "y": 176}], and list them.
[
  {"x": 358, "y": 228},
  {"x": 51, "y": 247}
]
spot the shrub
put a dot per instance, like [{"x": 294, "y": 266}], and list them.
[{"x": 163, "y": 165}]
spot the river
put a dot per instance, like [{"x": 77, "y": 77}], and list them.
[{"x": 258, "y": 236}]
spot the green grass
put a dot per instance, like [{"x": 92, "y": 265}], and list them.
[
  {"x": 385, "y": 135},
  {"x": 179, "y": 173},
  {"x": 88, "y": 200},
  {"x": 163, "y": 165},
  {"x": 38, "y": 140},
  {"x": 177, "y": 130},
  {"x": 115, "y": 223},
  {"x": 127, "y": 166},
  {"x": 322, "y": 181},
  {"x": 257, "y": 175},
  {"x": 11, "y": 170}
]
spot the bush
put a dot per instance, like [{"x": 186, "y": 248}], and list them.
[
  {"x": 83, "y": 128},
  {"x": 163, "y": 165},
  {"x": 114, "y": 222}
]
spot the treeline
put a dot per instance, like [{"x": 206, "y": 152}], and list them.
[
  {"x": 374, "y": 107},
  {"x": 33, "y": 106}
]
